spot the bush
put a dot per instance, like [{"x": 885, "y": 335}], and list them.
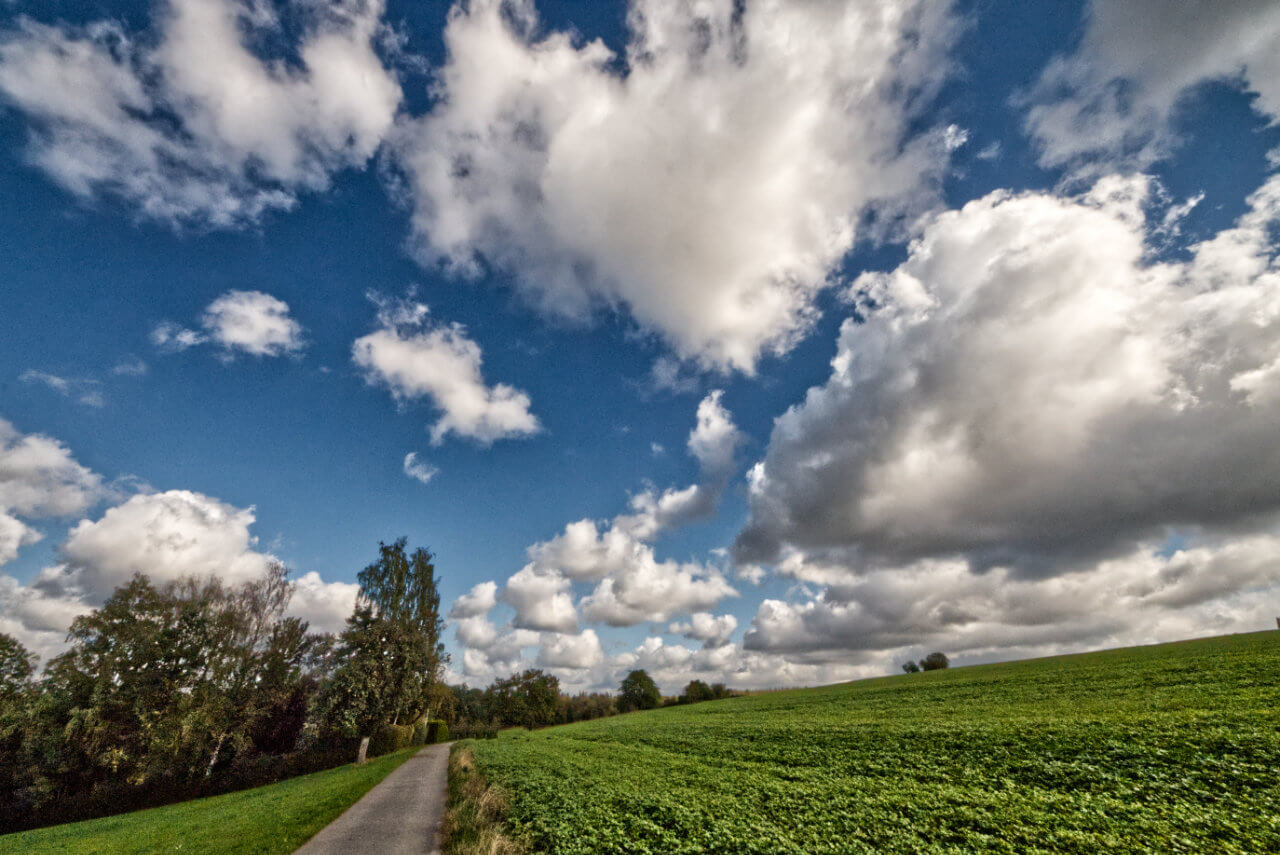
[
  {"x": 911, "y": 668},
  {"x": 390, "y": 737},
  {"x": 475, "y": 730},
  {"x": 429, "y": 731}
]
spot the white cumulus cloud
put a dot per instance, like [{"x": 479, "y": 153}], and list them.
[
  {"x": 542, "y": 601},
  {"x": 1028, "y": 389},
  {"x": 187, "y": 124},
  {"x": 238, "y": 321},
  {"x": 1115, "y": 96},
  {"x": 252, "y": 322},
  {"x": 416, "y": 359},
  {"x": 709, "y": 181}
]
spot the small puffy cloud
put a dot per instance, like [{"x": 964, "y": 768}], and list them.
[
  {"x": 415, "y": 359},
  {"x": 419, "y": 470},
  {"x": 252, "y": 322},
  {"x": 1114, "y": 97},
  {"x": 187, "y": 124},
  {"x": 324, "y": 605},
  {"x": 560, "y": 650},
  {"x": 715, "y": 438},
  {"x": 635, "y": 181},
  {"x": 542, "y": 601},
  {"x": 478, "y": 601},
  {"x": 238, "y": 322},
  {"x": 1029, "y": 390},
  {"x": 711, "y": 630}
]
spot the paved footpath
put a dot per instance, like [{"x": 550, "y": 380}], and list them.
[{"x": 399, "y": 816}]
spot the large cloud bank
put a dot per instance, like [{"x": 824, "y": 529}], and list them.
[{"x": 1034, "y": 435}]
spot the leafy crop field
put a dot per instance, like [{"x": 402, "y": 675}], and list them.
[{"x": 1169, "y": 748}]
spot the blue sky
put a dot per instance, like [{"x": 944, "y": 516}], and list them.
[{"x": 595, "y": 218}]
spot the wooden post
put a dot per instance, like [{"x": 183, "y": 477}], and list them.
[{"x": 364, "y": 751}]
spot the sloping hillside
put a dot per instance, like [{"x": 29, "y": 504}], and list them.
[{"x": 1168, "y": 748}]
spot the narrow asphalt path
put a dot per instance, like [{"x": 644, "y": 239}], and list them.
[{"x": 399, "y": 816}]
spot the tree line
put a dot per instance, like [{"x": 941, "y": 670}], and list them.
[
  {"x": 192, "y": 688},
  {"x": 168, "y": 692},
  {"x": 533, "y": 699}
]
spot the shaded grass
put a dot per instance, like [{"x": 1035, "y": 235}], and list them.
[
  {"x": 473, "y": 824},
  {"x": 1166, "y": 748},
  {"x": 277, "y": 818}
]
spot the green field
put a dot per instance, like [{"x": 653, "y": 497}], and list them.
[
  {"x": 1170, "y": 748},
  {"x": 273, "y": 819}
]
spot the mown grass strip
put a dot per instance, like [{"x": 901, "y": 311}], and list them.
[
  {"x": 277, "y": 818},
  {"x": 473, "y": 824}
]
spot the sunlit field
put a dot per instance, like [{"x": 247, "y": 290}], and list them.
[{"x": 1169, "y": 748}]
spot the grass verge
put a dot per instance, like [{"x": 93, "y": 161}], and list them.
[
  {"x": 473, "y": 823},
  {"x": 277, "y": 818}
]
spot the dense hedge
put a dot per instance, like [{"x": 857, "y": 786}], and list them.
[{"x": 390, "y": 737}]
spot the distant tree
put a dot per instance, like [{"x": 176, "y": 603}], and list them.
[
  {"x": 911, "y": 667},
  {"x": 529, "y": 699},
  {"x": 585, "y": 706},
  {"x": 934, "y": 662},
  {"x": 696, "y": 692},
  {"x": 720, "y": 691},
  {"x": 638, "y": 692}
]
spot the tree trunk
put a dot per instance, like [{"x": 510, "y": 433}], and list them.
[
  {"x": 364, "y": 751},
  {"x": 217, "y": 749}
]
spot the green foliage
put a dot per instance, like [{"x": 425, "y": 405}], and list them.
[
  {"x": 390, "y": 737},
  {"x": 195, "y": 688},
  {"x": 273, "y": 819},
  {"x": 530, "y": 699},
  {"x": 1171, "y": 748},
  {"x": 16, "y": 667},
  {"x": 911, "y": 668},
  {"x": 585, "y": 706},
  {"x": 164, "y": 692},
  {"x": 696, "y": 692},
  {"x": 935, "y": 661},
  {"x": 638, "y": 692},
  {"x": 391, "y": 651}
]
